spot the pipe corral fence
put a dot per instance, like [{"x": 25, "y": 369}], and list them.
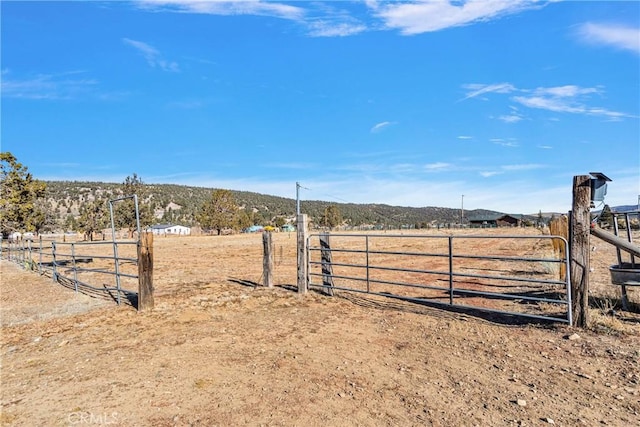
[
  {"x": 95, "y": 268},
  {"x": 626, "y": 272},
  {"x": 629, "y": 220},
  {"x": 505, "y": 274}
]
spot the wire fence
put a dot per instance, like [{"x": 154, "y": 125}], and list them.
[{"x": 95, "y": 268}]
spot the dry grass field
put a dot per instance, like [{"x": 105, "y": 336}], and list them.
[{"x": 220, "y": 350}]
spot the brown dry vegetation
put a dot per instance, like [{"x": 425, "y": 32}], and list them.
[{"x": 218, "y": 350}]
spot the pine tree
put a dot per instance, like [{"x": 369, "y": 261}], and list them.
[
  {"x": 93, "y": 217},
  {"x": 243, "y": 219},
  {"x": 331, "y": 217},
  {"x": 125, "y": 212},
  {"x": 19, "y": 207},
  {"x": 219, "y": 212}
]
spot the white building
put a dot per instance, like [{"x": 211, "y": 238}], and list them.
[{"x": 167, "y": 229}]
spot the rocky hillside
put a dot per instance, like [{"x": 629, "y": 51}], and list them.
[{"x": 178, "y": 204}]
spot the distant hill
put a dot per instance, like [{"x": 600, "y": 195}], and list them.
[
  {"x": 178, "y": 204},
  {"x": 624, "y": 208},
  {"x": 619, "y": 209}
]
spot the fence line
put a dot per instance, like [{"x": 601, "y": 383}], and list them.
[{"x": 65, "y": 263}]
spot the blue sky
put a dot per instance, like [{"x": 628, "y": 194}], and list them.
[{"x": 412, "y": 103}]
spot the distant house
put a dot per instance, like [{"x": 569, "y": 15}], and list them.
[
  {"x": 254, "y": 229},
  {"x": 510, "y": 220},
  {"x": 168, "y": 229},
  {"x": 496, "y": 220}
]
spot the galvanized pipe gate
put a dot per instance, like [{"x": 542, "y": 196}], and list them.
[{"x": 506, "y": 274}]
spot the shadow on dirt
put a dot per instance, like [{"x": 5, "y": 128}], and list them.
[
  {"x": 437, "y": 309},
  {"x": 127, "y": 297},
  {"x": 252, "y": 284},
  {"x": 417, "y": 306},
  {"x": 243, "y": 282}
]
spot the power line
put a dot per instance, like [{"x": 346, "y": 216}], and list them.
[{"x": 325, "y": 194}]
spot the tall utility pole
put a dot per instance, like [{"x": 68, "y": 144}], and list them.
[
  {"x": 462, "y": 211},
  {"x": 297, "y": 198}
]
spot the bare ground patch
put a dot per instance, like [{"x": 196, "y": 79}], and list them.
[
  {"x": 27, "y": 297},
  {"x": 218, "y": 350}
]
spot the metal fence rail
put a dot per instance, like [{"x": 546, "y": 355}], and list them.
[
  {"x": 627, "y": 218},
  {"x": 514, "y": 275},
  {"x": 65, "y": 263}
]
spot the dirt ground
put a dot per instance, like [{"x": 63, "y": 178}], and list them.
[{"x": 217, "y": 350}]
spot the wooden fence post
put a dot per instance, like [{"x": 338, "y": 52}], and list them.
[
  {"x": 560, "y": 227},
  {"x": 326, "y": 263},
  {"x": 579, "y": 228},
  {"x": 303, "y": 281},
  {"x": 267, "y": 259},
  {"x": 145, "y": 272}
]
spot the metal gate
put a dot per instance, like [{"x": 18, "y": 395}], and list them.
[{"x": 508, "y": 274}]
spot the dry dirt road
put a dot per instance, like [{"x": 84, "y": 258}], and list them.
[{"x": 217, "y": 351}]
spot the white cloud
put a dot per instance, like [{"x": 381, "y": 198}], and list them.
[
  {"x": 438, "y": 166},
  {"x": 465, "y": 137},
  {"x": 47, "y": 86},
  {"x": 324, "y": 28},
  {"x": 559, "y": 99},
  {"x": 320, "y": 19},
  {"x": 551, "y": 104},
  {"x": 505, "y": 142},
  {"x": 324, "y": 19},
  {"x": 226, "y": 7},
  {"x": 567, "y": 91},
  {"x": 618, "y": 36},
  {"x": 152, "y": 55},
  {"x": 380, "y": 126},
  {"x": 481, "y": 89},
  {"x": 511, "y": 118},
  {"x": 423, "y": 16},
  {"x": 488, "y": 174},
  {"x": 330, "y": 20},
  {"x": 567, "y": 105},
  {"x": 402, "y": 168}
]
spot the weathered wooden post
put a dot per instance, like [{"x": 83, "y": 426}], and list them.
[
  {"x": 326, "y": 263},
  {"x": 267, "y": 259},
  {"x": 560, "y": 227},
  {"x": 145, "y": 272},
  {"x": 579, "y": 228},
  {"x": 303, "y": 281}
]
